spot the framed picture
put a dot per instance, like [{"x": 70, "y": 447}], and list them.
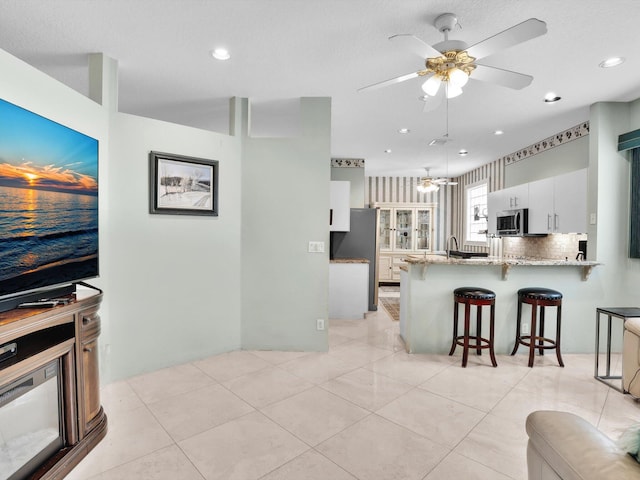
[{"x": 182, "y": 185}]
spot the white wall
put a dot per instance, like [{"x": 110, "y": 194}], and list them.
[
  {"x": 173, "y": 283},
  {"x": 174, "y": 288},
  {"x": 355, "y": 175},
  {"x": 285, "y": 204},
  {"x": 563, "y": 158}
]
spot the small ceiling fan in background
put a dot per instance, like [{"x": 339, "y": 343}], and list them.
[
  {"x": 452, "y": 63},
  {"x": 432, "y": 184}
]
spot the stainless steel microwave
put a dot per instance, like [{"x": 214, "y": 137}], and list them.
[{"x": 512, "y": 223}]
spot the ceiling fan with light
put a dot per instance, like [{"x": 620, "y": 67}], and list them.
[
  {"x": 452, "y": 63},
  {"x": 432, "y": 184}
]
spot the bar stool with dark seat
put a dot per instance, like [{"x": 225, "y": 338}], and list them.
[
  {"x": 539, "y": 297},
  {"x": 479, "y": 297}
]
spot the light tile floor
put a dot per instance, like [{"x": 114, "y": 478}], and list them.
[{"x": 364, "y": 410}]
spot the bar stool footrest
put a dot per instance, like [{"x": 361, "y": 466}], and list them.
[
  {"x": 484, "y": 342},
  {"x": 548, "y": 343}
]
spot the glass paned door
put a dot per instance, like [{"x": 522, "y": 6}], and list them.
[
  {"x": 423, "y": 229},
  {"x": 384, "y": 229},
  {"x": 404, "y": 229}
]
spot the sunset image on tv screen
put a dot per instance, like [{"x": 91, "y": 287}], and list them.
[{"x": 48, "y": 201}]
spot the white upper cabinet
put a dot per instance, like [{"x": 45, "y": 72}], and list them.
[
  {"x": 556, "y": 204},
  {"x": 570, "y": 202},
  {"x": 542, "y": 206},
  {"x": 515, "y": 198},
  {"x": 559, "y": 204},
  {"x": 512, "y": 198},
  {"x": 340, "y": 212}
]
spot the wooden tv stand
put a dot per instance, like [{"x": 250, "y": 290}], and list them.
[{"x": 68, "y": 332}]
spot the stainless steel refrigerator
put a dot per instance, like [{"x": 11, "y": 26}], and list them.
[{"x": 361, "y": 241}]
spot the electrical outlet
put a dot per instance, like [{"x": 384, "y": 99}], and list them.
[
  {"x": 524, "y": 328},
  {"x": 320, "y": 324}
]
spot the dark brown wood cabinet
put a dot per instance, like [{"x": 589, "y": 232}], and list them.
[
  {"x": 67, "y": 334},
  {"x": 88, "y": 369}
]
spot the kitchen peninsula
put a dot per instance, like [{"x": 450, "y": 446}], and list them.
[{"x": 426, "y": 297}]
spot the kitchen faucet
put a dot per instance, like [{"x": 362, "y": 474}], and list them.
[{"x": 455, "y": 242}]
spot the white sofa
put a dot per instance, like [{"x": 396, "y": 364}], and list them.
[
  {"x": 563, "y": 446},
  {"x": 631, "y": 357}
]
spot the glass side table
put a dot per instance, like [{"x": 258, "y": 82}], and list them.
[{"x": 618, "y": 312}]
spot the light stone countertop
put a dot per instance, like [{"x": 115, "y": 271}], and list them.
[
  {"x": 505, "y": 262},
  {"x": 349, "y": 260}
]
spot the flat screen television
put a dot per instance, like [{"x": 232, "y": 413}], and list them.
[{"x": 48, "y": 206}]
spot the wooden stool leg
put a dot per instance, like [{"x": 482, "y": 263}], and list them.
[
  {"x": 541, "y": 331},
  {"x": 455, "y": 328},
  {"x": 532, "y": 337},
  {"x": 491, "y": 331},
  {"x": 515, "y": 347},
  {"x": 465, "y": 346},
  {"x": 478, "y": 329},
  {"x": 558, "y": 320}
]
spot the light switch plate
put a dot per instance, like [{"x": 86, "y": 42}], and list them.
[
  {"x": 316, "y": 247},
  {"x": 592, "y": 219}
]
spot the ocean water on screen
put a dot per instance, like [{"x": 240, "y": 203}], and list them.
[{"x": 42, "y": 228}]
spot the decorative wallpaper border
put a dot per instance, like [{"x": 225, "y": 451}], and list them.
[
  {"x": 347, "y": 162},
  {"x": 548, "y": 143}
]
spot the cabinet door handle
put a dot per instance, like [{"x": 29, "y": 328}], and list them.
[
  {"x": 87, "y": 349},
  {"x": 556, "y": 221},
  {"x": 331, "y": 216},
  {"x": 549, "y": 221}
]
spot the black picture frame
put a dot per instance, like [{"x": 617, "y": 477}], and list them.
[{"x": 181, "y": 185}]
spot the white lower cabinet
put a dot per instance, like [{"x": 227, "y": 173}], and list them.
[
  {"x": 385, "y": 268},
  {"x": 348, "y": 290}
]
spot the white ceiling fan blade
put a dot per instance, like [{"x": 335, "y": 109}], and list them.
[
  {"x": 522, "y": 32},
  {"x": 391, "y": 81},
  {"x": 506, "y": 78},
  {"x": 414, "y": 44}
]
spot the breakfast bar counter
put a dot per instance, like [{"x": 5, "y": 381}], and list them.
[
  {"x": 506, "y": 263},
  {"x": 428, "y": 282}
]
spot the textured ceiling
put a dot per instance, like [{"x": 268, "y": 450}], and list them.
[{"x": 282, "y": 49}]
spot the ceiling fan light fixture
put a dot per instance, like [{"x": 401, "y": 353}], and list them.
[
  {"x": 458, "y": 78},
  {"x": 426, "y": 186},
  {"x": 453, "y": 91},
  {"x": 431, "y": 86}
]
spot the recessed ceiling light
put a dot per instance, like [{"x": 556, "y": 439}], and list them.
[
  {"x": 551, "y": 97},
  {"x": 220, "y": 54},
  {"x": 463, "y": 153},
  {"x": 611, "y": 62},
  {"x": 388, "y": 150},
  {"x": 404, "y": 130},
  {"x": 498, "y": 132}
]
